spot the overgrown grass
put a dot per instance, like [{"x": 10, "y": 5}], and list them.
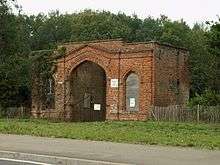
[{"x": 162, "y": 133}]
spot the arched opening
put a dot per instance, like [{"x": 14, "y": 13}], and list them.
[
  {"x": 88, "y": 92},
  {"x": 132, "y": 92},
  {"x": 46, "y": 93},
  {"x": 50, "y": 102}
]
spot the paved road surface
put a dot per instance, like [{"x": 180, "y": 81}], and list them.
[
  {"x": 18, "y": 162},
  {"x": 107, "y": 151},
  {"x": 6, "y": 162}
]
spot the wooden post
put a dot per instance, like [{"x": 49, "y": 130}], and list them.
[
  {"x": 197, "y": 112},
  {"x": 152, "y": 112},
  {"x": 22, "y": 112}
]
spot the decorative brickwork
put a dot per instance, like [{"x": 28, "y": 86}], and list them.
[{"x": 161, "y": 69}]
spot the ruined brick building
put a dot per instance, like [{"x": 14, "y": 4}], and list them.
[{"x": 114, "y": 80}]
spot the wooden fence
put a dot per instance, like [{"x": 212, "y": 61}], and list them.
[
  {"x": 209, "y": 114},
  {"x": 15, "y": 112}
]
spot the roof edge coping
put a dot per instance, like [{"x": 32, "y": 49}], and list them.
[{"x": 92, "y": 41}]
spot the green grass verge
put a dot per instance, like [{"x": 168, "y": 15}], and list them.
[{"x": 162, "y": 133}]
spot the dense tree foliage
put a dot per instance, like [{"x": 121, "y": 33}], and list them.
[
  {"x": 20, "y": 34},
  {"x": 214, "y": 49},
  {"x": 13, "y": 56}
]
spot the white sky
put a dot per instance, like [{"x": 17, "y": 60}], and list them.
[{"x": 190, "y": 10}]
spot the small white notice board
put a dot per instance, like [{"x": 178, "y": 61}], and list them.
[
  {"x": 132, "y": 102},
  {"x": 114, "y": 83},
  {"x": 97, "y": 107}
]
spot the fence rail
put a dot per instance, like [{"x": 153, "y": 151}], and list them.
[
  {"x": 209, "y": 114},
  {"x": 15, "y": 112}
]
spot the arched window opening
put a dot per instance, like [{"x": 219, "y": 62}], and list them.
[
  {"x": 132, "y": 92},
  {"x": 50, "y": 102}
]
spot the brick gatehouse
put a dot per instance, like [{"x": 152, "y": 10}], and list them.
[{"x": 114, "y": 80}]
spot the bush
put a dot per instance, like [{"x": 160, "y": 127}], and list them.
[{"x": 208, "y": 98}]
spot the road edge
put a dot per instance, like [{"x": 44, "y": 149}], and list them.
[{"x": 58, "y": 160}]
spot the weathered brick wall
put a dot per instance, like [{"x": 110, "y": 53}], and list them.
[
  {"x": 171, "y": 76},
  {"x": 155, "y": 65},
  {"x": 139, "y": 63},
  {"x": 117, "y": 66},
  {"x": 36, "y": 106}
]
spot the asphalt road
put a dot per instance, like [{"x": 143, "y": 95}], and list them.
[
  {"x": 18, "y": 162},
  {"x": 109, "y": 152},
  {"x": 6, "y": 162}
]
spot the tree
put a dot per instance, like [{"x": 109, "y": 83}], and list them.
[
  {"x": 214, "y": 43},
  {"x": 175, "y": 32},
  {"x": 90, "y": 25},
  {"x": 201, "y": 60},
  {"x": 13, "y": 61},
  {"x": 151, "y": 29}
]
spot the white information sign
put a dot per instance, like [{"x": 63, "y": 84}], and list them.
[
  {"x": 114, "y": 83},
  {"x": 97, "y": 107},
  {"x": 132, "y": 102}
]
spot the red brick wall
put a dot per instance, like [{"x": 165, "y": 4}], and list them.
[
  {"x": 170, "y": 67},
  {"x": 118, "y": 59},
  {"x": 139, "y": 63}
]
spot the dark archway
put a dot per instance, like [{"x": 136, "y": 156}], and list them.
[{"x": 88, "y": 92}]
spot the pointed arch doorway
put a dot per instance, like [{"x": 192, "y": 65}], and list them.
[{"x": 88, "y": 92}]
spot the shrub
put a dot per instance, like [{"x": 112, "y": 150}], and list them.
[{"x": 208, "y": 98}]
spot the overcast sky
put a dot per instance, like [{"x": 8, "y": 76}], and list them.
[{"x": 190, "y": 10}]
